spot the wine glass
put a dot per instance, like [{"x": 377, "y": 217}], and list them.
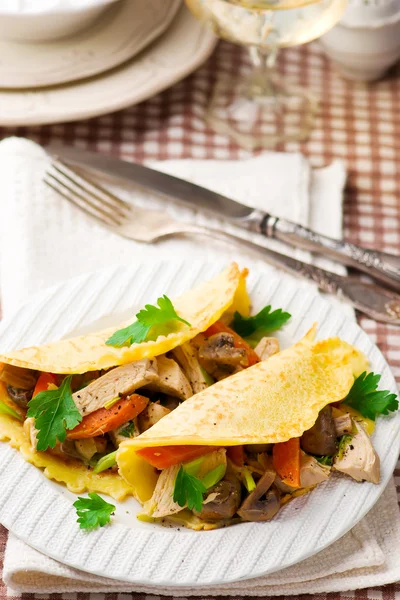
[{"x": 263, "y": 109}]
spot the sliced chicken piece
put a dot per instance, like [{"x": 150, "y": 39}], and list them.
[
  {"x": 162, "y": 502},
  {"x": 153, "y": 413},
  {"x": 359, "y": 460},
  {"x": 86, "y": 448},
  {"x": 171, "y": 379},
  {"x": 117, "y": 382},
  {"x": 126, "y": 431},
  {"x": 186, "y": 355},
  {"x": 312, "y": 472},
  {"x": 343, "y": 425},
  {"x": 266, "y": 347},
  {"x": 31, "y": 432}
]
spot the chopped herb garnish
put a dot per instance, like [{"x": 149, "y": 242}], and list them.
[
  {"x": 368, "y": 400},
  {"x": 325, "y": 460},
  {"x": 214, "y": 476},
  {"x": 344, "y": 442},
  {"x": 248, "y": 480},
  {"x": 110, "y": 403},
  {"x": 128, "y": 430},
  {"x": 152, "y": 321},
  {"x": 261, "y": 324},
  {"x": 106, "y": 462},
  {"x": 54, "y": 412},
  {"x": 93, "y": 511},
  {"x": 189, "y": 490},
  {"x": 7, "y": 410}
]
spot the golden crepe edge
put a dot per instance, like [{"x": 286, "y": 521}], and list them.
[
  {"x": 200, "y": 306},
  {"x": 226, "y": 290},
  {"x": 269, "y": 398}
]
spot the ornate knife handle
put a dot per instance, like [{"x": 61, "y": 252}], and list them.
[{"x": 379, "y": 265}]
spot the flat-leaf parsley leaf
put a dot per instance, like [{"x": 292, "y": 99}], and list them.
[
  {"x": 93, "y": 511},
  {"x": 54, "y": 412},
  {"x": 368, "y": 400},
  {"x": 151, "y": 322},
  {"x": 260, "y": 324},
  {"x": 189, "y": 490}
]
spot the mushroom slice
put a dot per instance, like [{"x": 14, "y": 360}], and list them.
[
  {"x": 359, "y": 460},
  {"x": 153, "y": 413},
  {"x": 321, "y": 438},
  {"x": 186, "y": 355},
  {"x": 343, "y": 425},
  {"x": 171, "y": 379},
  {"x": 267, "y": 347},
  {"x": 116, "y": 382},
  {"x": 220, "y": 348},
  {"x": 264, "y": 502},
  {"x": 222, "y": 501}
]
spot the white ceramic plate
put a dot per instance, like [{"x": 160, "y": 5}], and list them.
[
  {"x": 118, "y": 35},
  {"x": 41, "y": 512},
  {"x": 180, "y": 50}
]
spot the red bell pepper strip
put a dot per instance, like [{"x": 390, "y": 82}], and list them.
[
  {"x": 286, "y": 461},
  {"x": 239, "y": 342},
  {"x": 102, "y": 420},
  {"x": 42, "y": 384},
  {"x": 236, "y": 454},
  {"x": 162, "y": 457}
]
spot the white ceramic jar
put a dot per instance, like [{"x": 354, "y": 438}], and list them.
[
  {"x": 40, "y": 20},
  {"x": 366, "y": 41}
]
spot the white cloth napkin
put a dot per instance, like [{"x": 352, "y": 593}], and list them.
[{"x": 44, "y": 240}]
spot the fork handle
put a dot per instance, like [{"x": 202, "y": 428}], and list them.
[
  {"x": 379, "y": 265},
  {"x": 378, "y": 303}
]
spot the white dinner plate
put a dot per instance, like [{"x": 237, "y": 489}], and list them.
[
  {"x": 40, "y": 512},
  {"x": 180, "y": 50},
  {"x": 121, "y": 32}
]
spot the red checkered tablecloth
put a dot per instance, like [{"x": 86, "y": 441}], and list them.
[{"x": 358, "y": 123}]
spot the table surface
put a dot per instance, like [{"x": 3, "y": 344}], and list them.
[{"x": 358, "y": 123}]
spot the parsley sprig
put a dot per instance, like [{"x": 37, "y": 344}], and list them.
[
  {"x": 261, "y": 324},
  {"x": 152, "y": 321},
  {"x": 54, "y": 412},
  {"x": 128, "y": 430},
  {"x": 189, "y": 490},
  {"x": 93, "y": 511},
  {"x": 365, "y": 397}
]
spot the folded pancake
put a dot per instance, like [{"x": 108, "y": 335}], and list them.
[
  {"x": 201, "y": 307},
  {"x": 273, "y": 401}
]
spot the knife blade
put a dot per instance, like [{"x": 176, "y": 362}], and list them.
[
  {"x": 167, "y": 185},
  {"x": 379, "y": 265}
]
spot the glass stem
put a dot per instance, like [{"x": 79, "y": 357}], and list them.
[{"x": 261, "y": 81}]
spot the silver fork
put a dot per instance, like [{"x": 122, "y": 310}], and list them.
[{"x": 151, "y": 226}]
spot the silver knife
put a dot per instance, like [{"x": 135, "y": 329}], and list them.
[{"x": 379, "y": 265}]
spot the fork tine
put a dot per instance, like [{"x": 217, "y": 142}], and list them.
[
  {"x": 99, "y": 193},
  {"x": 80, "y": 201}
]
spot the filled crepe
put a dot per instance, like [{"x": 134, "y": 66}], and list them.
[
  {"x": 67, "y": 405},
  {"x": 240, "y": 449},
  {"x": 194, "y": 410}
]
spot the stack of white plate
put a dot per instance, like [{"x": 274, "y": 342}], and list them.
[{"x": 72, "y": 59}]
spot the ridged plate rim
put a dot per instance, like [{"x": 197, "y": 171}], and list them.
[{"x": 46, "y": 520}]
